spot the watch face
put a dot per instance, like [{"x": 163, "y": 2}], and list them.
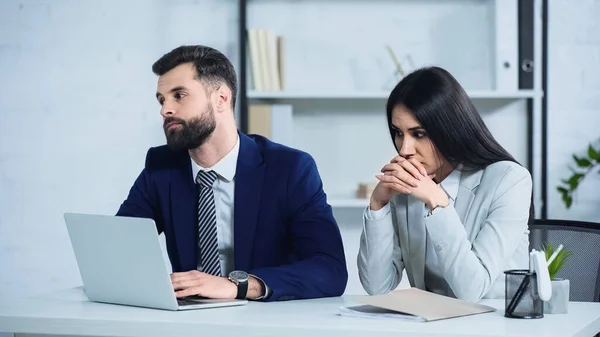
[{"x": 238, "y": 275}]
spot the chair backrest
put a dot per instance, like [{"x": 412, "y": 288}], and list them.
[{"x": 583, "y": 267}]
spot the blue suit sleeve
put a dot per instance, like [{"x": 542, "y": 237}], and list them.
[
  {"x": 319, "y": 269},
  {"x": 141, "y": 201}
]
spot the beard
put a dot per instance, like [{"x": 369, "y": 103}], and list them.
[{"x": 191, "y": 133}]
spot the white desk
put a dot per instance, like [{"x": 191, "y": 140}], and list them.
[{"x": 70, "y": 313}]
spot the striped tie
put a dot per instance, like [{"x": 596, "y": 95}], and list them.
[{"x": 207, "y": 224}]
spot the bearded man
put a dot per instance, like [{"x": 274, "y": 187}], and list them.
[{"x": 243, "y": 217}]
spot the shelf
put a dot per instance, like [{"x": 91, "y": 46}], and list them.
[
  {"x": 474, "y": 94},
  {"x": 348, "y": 202}
]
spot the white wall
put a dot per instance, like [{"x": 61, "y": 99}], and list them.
[
  {"x": 573, "y": 101},
  {"x": 77, "y": 114}
]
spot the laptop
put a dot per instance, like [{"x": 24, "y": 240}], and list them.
[{"x": 121, "y": 262}]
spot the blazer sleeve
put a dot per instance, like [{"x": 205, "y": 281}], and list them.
[
  {"x": 316, "y": 244},
  {"x": 379, "y": 260},
  {"x": 471, "y": 268},
  {"x": 141, "y": 201}
]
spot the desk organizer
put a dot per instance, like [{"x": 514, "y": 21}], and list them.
[{"x": 521, "y": 299}]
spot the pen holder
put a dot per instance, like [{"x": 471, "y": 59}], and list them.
[{"x": 521, "y": 299}]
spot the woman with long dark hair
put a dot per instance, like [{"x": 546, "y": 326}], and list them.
[{"x": 452, "y": 209}]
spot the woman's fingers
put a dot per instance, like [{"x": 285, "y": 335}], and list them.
[
  {"x": 412, "y": 166},
  {"x": 394, "y": 183},
  {"x": 389, "y": 178},
  {"x": 399, "y": 172},
  {"x": 418, "y": 166},
  {"x": 408, "y": 166}
]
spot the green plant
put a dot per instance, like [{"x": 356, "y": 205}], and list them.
[
  {"x": 559, "y": 261},
  {"x": 585, "y": 165}
]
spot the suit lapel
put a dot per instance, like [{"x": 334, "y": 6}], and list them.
[
  {"x": 249, "y": 178},
  {"x": 184, "y": 198},
  {"x": 416, "y": 224},
  {"x": 463, "y": 202},
  {"x": 469, "y": 180},
  {"x": 417, "y": 240}
]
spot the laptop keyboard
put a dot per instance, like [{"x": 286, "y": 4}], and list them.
[{"x": 190, "y": 300}]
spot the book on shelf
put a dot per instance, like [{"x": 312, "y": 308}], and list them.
[
  {"x": 266, "y": 56},
  {"x": 273, "y": 121}
]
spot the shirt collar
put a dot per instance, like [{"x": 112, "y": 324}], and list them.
[
  {"x": 450, "y": 184},
  {"x": 225, "y": 167}
]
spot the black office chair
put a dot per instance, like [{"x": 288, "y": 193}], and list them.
[{"x": 583, "y": 267}]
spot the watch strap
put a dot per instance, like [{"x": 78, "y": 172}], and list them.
[
  {"x": 433, "y": 210},
  {"x": 242, "y": 290}
]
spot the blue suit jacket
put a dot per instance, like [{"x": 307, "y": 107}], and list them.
[{"x": 284, "y": 230}]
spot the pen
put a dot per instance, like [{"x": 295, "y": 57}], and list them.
[
  {"x": 521, "y": 289},
  {"x": 553, "y": 256}
]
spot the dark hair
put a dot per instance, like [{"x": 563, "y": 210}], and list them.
[
  {"x": 450, "y": 119},
  {"x": 212, "y": 67}
]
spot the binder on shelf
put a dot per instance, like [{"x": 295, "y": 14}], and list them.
[
  {"x": 273, "y": 121},
  {"x": 526, "y": 43},
  {"x": 506, "y": 40}
]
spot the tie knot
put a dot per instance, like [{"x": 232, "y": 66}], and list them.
[{"x": 206, "y": 178}]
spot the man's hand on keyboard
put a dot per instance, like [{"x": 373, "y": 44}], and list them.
[{"x": 198, "y": 283}]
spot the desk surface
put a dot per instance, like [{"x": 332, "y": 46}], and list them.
[{"x": 70, "y": 313}]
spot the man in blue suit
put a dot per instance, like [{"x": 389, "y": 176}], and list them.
[{"x": 243, "y": 217}]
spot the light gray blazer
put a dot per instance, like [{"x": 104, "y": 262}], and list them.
[{"x": 484, "y": 234}]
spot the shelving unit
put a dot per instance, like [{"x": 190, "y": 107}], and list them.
[
  {"x": 336, "y": 87},
  {"x": 474, "y": 94},
  {"x": 333, "y": 79}
]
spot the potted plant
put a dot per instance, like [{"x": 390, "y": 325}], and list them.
[
  {"x": 559, "y": 301},
  {"x": 585, "y": 164}
]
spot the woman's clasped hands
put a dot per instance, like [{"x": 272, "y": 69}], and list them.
[{"x": 407, "y": 176}]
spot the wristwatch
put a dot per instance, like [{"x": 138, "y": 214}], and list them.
[
  {"x": 240, "y": 278},
  {"x": 431, "y": 211}
]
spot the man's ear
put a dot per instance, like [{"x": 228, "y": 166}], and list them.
[{"x": 223, "y": 98}]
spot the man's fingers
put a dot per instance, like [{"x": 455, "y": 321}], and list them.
[
  {"x": 188, "y": 292},
  {"x": 179, "y": 285},
  {"x": 188, "y": 275}
]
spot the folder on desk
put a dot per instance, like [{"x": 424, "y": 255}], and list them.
[{"x": 413, "y": 304}]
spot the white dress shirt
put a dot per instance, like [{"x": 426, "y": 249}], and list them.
[
  {"x": 223, "y": 189},
  {"x": 434, "y": 281}
]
